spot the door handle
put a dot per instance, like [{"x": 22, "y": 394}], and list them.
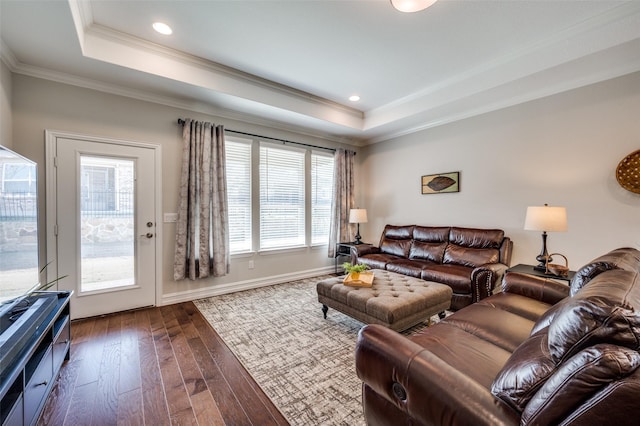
[{"x": 147, "y": 235}]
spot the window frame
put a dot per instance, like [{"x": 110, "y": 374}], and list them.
[
  {"x": 328, "y": 155},
  {"x": 251, "y": 239},
  {"x": 300, "y": 240},
  {"x": 255, "y": 144}
]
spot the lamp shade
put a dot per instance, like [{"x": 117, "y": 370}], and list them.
[
  {"x": 411, "y": 5},
  {"x": 358, "y": 216},
  {"x": 546, "y": 218}
]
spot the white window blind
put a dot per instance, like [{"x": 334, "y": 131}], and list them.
[
  {"x": 238, "y": 162},
  {"x": 321, "y": 194},
  {"x": 281, "y": 197}
]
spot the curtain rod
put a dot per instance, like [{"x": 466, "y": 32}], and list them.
[{"x": 181, "y": 122}]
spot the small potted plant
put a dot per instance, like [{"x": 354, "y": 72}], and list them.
[{"x": 354, "y": 270}]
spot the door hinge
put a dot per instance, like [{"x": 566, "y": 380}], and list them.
[
  {"x": 55, "y": 162},
  {"x": 55, "y": 229}
]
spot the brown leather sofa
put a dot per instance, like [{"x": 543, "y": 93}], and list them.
[
  {"x": 471, "y": 261},
  {"x": 537, "y": 353}
]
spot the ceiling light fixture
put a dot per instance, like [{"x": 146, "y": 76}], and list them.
[
  {"x": 354, "y": 98},
  {"x": 162, "y": 28},
  {"x": 411, "y": 5}
]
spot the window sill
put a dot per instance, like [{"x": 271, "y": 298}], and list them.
[
  {"x": 242, "y": 254},
  {"x": 269, "y": 252}
]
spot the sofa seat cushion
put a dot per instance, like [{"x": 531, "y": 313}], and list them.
[
  {"x": 457, "y": 277},
  {"x": 500, "y": 327},
  {"x": 378, "y": 260},
  {"x": 522, "y": 306},
  {"x": 412, "y": 268},
  {"x": 463, "y": 351}
]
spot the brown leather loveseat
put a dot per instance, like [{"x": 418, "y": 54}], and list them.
[
  {"x": 469, "y": 260},
  {"x": 537, "y": 353}
]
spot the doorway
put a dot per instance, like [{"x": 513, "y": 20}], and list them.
[{"x": 102, "y": 230}]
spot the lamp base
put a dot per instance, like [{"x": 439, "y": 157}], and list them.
[
  {"x": 358, "y": 237},
  {"x": 543, "y": 256},
  {"x": 540, "y": 268}
]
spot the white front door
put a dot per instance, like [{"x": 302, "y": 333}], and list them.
[{"x": 105, "y": 222}]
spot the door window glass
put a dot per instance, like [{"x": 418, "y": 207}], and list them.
[{"x": 107, "y": 240}]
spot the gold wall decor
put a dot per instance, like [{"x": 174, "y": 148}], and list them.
[
  {"x": 628, "y": 172},
  {"x": 442, "y": 182}
]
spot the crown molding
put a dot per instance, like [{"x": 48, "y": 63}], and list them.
[
  {"x": 107, "y": 45},
  {"x": 17, "y": 67},
  {"x": 7, "y": 56},
  {"x": 613, "y": 28}
]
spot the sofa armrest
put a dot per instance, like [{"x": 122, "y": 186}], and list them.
[
  {"x": 361, "y": 250},
  {"x": 539, "y": 288},
  {"x": 484, "y": 279},
  {"x": 421, "y": 384}
]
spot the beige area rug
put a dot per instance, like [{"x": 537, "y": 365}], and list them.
[{"x": 304, "y": 363}]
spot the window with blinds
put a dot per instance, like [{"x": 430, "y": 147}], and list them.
[
  {"x": 282, "y": 198},
  {"x": 238, "y": 162},
  {"x": 321, "y": 194}
]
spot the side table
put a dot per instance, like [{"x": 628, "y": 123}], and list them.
[
  {"x": 344, "y": 250},
  {"x": 528, "y": 269}
]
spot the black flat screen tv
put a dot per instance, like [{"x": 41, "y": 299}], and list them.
[{"x": 19, "y": 266}]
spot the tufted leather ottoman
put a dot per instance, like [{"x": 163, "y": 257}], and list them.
[{"x": 396, "y": 301}]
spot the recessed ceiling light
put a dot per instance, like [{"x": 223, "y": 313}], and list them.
[
  {"x": 162, "y": 28},
  {"x": 354, "y": 98}
]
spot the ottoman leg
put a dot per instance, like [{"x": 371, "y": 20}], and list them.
[{"x": 325, "y": 309}]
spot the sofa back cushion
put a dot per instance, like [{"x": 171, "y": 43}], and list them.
[
  {"x": 577, "y": 380},
  {"x": 476, "y": 238},
  {"x": 427, "y": 251},
  {"x": 472, "y": 257},
  {"x": 622, "y": 258},
  {"x": 529, "y": 366},
  {"x": 429, "y": 243},
  {"x": 396, "y": 240},
  {"x": 606, "y": 310},
  {"x": 473, "y": 247},
  {"x": 431, "y": 234}
]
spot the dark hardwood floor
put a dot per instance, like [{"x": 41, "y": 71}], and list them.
[{"x": 155, "y": 366}]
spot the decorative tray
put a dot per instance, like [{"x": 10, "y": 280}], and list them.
[{"x": 364, "y": 279}]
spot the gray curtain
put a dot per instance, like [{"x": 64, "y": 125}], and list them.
[
  {"x": 202, "y": 230},
  {"x": 343, "y": 199}
]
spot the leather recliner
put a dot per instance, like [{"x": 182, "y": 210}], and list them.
[{"x": 537, "y": 353}]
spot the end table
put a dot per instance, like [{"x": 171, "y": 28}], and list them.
[
  {"x": 344, "y": 250},
  {"x": 528, "y": 269}
]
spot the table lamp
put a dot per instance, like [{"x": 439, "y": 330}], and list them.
[
  {"x": 358, "y": 216},
  {"x": 545, "y": 218}
]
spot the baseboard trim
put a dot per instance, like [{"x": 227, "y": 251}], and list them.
[{"x": 189, "y": 295}]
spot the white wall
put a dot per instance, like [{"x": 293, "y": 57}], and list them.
[
  {"x": 6, "y": 133},
  {"x": 561, "y": 150},
  {"x": 40, "y": 105}
]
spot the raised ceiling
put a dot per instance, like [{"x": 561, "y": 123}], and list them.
[{"x": 296, "y": 63}]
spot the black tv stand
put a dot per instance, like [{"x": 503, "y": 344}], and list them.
[{"x": 27, "y": 378}]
